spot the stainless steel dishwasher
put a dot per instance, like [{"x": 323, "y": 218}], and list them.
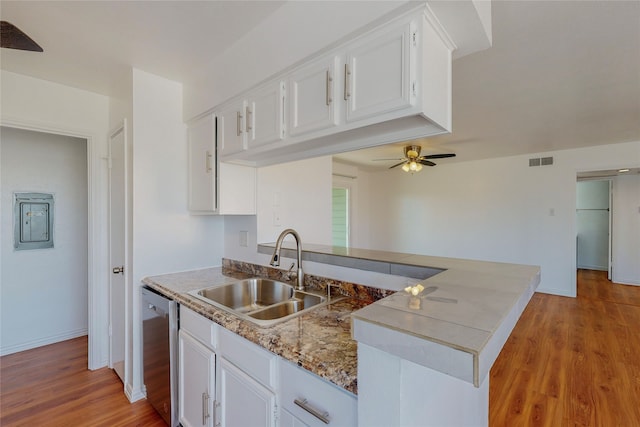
[{"x": 159, "y": 358}]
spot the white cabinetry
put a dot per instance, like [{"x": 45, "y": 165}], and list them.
[
  {"x": 308, "y": 400},
  {"x": 391, "y": 83},
  {"x": 313, "y": 96},
  {"x": 216, "y": 188},
  {"x": 252, "y": 120},
  {"x": 377, "y": 73},
  {"x": 196, "y": 382},
  {"x": 243, "y": 400},
  {"x": 202, "y": 164}
]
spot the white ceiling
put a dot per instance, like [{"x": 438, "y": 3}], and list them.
[{"x": 560, "y": 75}]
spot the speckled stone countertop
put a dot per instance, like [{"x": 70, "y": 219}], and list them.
[{"x": 319, "y": 341}]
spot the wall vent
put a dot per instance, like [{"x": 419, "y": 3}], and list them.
[{"x": 542, "y": 161}]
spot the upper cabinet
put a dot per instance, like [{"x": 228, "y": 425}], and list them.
[
  {"x": 377, "y": 78},
  {"x": 215, "y": 187},
  {"x": 392, "y": 82},
  {"x": 251, "y": 121},
  {"x": 312, "y": 96}
]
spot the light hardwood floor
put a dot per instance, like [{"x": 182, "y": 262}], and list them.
[
  {"x": 572, "y": 361},
  {"x": 568, "y": 362}
]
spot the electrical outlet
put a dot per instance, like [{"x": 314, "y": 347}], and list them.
[{"x": 244, "y": 237}]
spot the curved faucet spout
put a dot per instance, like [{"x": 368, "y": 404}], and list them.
[{"x": 275, "y": 258}]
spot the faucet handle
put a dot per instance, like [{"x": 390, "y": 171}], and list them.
[{"x": 293, "y": 264}]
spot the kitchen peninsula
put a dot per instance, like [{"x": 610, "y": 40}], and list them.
[{"x": 421, "y": 359}]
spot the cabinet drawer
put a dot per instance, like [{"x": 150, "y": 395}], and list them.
[
  {"x": 199, "y": 327},
  {"x": 252, "y": 359},
  {"x": 338, "y": 406}
]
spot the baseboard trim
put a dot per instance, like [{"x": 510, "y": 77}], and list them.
[
  {"x": 133, "y": 395},
  {"x": 5, "y": 350}
]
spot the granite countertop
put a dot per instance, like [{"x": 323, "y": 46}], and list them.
[{"x": 319, "y": 341}]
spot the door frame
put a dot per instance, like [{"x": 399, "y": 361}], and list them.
[
  {"x": 121, "y": 128},
  {"x": 96, "y": 316}
]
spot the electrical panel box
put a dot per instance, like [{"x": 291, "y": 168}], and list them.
[{"x": 33, "y": 221}]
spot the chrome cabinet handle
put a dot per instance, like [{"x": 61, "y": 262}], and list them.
[
  {"x": 205, "y": 407},
  {"x": 347, "y": 74},
  {"x": 208, "y": 161},
  {"x": 322, "y": 416},
  {"x": 239, "y": 123},
  {"x": 249, "y": 116},
  {"x": 329, "y": 80}
]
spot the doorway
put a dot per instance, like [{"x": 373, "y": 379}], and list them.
[
  {"x": 45, "y": 289},
  {"x": 593, "y": 222}
]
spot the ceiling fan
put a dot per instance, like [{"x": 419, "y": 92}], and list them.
[
  {"x": 413, "y": 161},
  {"x": 12, "y": 37}
]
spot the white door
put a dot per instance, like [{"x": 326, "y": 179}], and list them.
[
  {"x": 196, "y": 370},
  {"x": 243, "y": 401},
  {"x": 377, "y": 74},
  {"x": 117, "y": 248},
  {"x": 313, "y": 96}
]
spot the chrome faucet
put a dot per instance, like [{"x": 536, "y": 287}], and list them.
[{"x": 275, "y": 259}]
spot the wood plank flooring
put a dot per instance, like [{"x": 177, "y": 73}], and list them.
[
  {"x": 572, "y": 361},
  {"x": 51, "y": 386},
  {"x": 568, "y": 362}
]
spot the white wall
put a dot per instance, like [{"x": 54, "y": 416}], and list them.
[
  {"x": 496, "y": 210},
  {"x": 592, "y": 224},
  {"x": 275, "y": 44},
  {"x": 44, "y": 291},
  {"x": 35, "y": 104},
  {"x": 626, "y": 229},
  {"x": 300, "y": 194},
  {"x": 166, "y": 238}
]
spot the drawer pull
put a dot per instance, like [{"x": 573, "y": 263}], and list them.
[{"x": 322, "y": 416}]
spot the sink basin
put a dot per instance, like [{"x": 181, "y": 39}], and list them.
[
  {"x": 299, "y": 302},
  {"x": 248, "y": 295},
  {"x": 262, "y": 301}
]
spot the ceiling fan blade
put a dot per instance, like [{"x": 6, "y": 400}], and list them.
[
  {"x": 13, "y": 38},
  {"x": 438, "y": 156},
  {"x": 385, "y": 160},
  {"x": 401, "y": 163},
  {"x": 425, "y": 162}
]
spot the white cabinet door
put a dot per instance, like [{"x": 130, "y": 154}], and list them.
[
  {"x": 288, "y": 420},
  {"x": 196, "y": 382},
  {"x": 243, "y": 401},
  {"x": 202, "y": 164},
  {"x": 231, "y": 128},
  {"x": 312, "y": 96},
  {"x": 377, "y": 73},
  {"x": 264, "y": 115}
]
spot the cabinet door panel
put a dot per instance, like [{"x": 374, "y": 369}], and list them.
[
  {"x": 231, "y": 129},
  {"x": 378, "y": 75},
  {"x": 264, "y": 115},
  {"x": 196, "y": 382},
  {"x": 243, "y": 401},
  {"x": 312, "y": 97},
  {"x": 202, "y": 164}
]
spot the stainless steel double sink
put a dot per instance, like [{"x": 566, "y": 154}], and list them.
[{"x": 262, "y": 301}]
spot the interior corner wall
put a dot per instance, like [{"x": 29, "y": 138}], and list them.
[
  {"x": 165, "y": 236},
  {"x": 44, "y": 291},
  {"x": 29, "y": 103},
  {"x": 496, "y": 210}
]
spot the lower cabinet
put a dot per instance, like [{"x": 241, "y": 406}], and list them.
[
  {"x": 228, "y": 381},
  {"x": 196, "y": 382},
  {"x": 243, "y": 401}
]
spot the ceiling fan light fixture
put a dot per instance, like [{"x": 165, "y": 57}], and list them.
[{"x": 405, "y": 167}]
